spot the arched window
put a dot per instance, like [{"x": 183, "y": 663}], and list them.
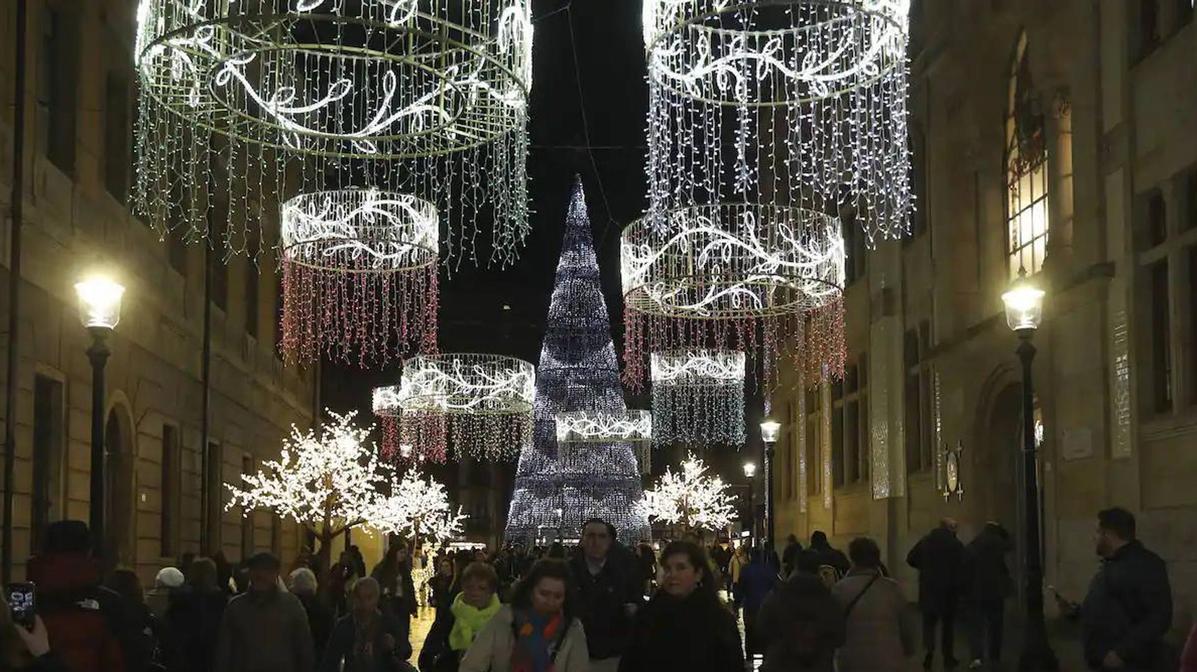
[{"x": 1026, "y": 170}]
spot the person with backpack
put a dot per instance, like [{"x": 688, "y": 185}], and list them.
[
  {"x": 538, "y": 632},
  {"x": 1128, "y": 609},
  {"x": 878, "y": 635},
  {"x": 827, "y": 556},
  {"x": 684, "y": 626},
  {"x": 800, "y": 623},
  {"x": 86, "y": 622},
  {"x": 939, "y": 559}
]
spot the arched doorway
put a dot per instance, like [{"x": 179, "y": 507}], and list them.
[
  {"x": 998, "y": 457},
  {"x": 119, "y": 506}
]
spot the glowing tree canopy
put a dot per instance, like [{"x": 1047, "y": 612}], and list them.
[
  {"x": 577, "y": 374},
  {"x": 325, "y": 480},
  {"x": 418, "y": 508},
  {"x": 359, "y": 276},
  {"x": 246, "y": 102},
  {"x": 698, "y": 397},
  {"x": 480, "y": 404},
  {"x": 690, "y": 498}
]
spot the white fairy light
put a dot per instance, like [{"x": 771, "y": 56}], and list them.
[
  {"x": 480, "y": 404},
  {"x": 324, "y": 480},
  {"x": 359, "y": 276},
  {"x": 598, "y": 427},
  {"x": 690, "y": 498},
  {"x": 418, "y": 507},
  {"x": 732, "y": 261},
  {"x": 698, "y": 397},
  {"x": 426, "y": 96}
]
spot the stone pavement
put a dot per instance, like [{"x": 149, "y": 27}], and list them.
[{"x": 420, "y": 625}]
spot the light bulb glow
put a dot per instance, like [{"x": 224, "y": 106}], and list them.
[{"x": 99, "y": 302}]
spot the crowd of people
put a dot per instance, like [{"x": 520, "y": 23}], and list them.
[{"x": 603, "y": 606}]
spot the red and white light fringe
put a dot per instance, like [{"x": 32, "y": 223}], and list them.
[
  {"x": 741, "y": 276},
  {"x": 479, "y": 404},
  {"x": 359, "y": 276},
  {"x": 690, "y": 498}
]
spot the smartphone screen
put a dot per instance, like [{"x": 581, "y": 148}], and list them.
[{"x": 21, "y": 603}]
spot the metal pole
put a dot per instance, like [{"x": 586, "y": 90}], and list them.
[
  {"x": 98, "y": 355},
  {"x": 1037, "y": 655},
  {"x": 207, "y": 544},
  {"x": 14, "y": 296},
  {"x": 769, "y": 497}
]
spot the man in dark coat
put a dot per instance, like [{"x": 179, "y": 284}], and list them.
[
  {"x": 822, "y": 552},
  {"x": 789, "y": 556},
  {"x": 1128, "y": 608},
  {"x": 264, "y": 628},
  {"x": 757, "y": 580},
  {"x": 608, "y": 591},
  {"x": 939, "y": 558},
  {"x": 800, "y": 623},
  {"x": 989, "y": 584}
]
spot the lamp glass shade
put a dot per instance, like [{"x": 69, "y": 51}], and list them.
[
  {"x": 99, "y": 302},
  {"x": 1024, "y": 305},
  {"x": 769, "y": 429},
  {"x": 749, "y": 469}
]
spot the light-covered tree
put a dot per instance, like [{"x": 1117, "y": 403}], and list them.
[
  {"x": 689, "y": 498},
  {"x": 418, "y": 507},
  {"x": 326, "y": 480}
]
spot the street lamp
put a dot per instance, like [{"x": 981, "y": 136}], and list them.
[
  {"x": 750, "y": 474},
  {"x": 100, "y": 311},
  {"x": 1024, "y": 311},
  {"x": 769, "y": 429}
]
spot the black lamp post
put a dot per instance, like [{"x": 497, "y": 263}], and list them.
[
  {"x": 1024, "y": 311},
  {"x": 99, "y": 310},
  {"x": 769, "y": 429},
  {"x": 750, "y": 474}
]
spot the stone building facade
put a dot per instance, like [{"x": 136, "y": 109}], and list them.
[
  {"x": 1058, "y": 137},
  {"x": 78, "y": 149}
]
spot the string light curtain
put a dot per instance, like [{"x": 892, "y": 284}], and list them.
[
  {"x": 247, "y": 102},
  {"x": 768, "y": 121},
  {"x": 698, "y": 397},
  {"x": 480, "y": 404},
  {"x": 359, "y": 276},
  {"x": 578, "y": 373},
  {"x": 577, "y": 429}
]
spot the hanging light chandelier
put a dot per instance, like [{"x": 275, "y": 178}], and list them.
[
  {"x": 246, "y": 102},
  {"x": 589, "y": 430},
  {"x": 479, "y": 404},
  {"x": 359, "y": 276},
  {"x": 698, "y": 397}
]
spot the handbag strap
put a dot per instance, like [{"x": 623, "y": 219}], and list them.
[{"x": 848, "y": 609}]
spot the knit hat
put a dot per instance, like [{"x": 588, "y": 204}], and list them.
[{"x": 168, "y": 577}]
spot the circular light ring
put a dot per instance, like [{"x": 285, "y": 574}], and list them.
[
  {"x": 394, "y": 82},
  {"x": 694, "y": 367},
  {"x": 732, "y": 261},
  {"x": 598, "y": 427},
  {"x": 359, "y": 231},
  {"x": 467, "y": 384},
  {"x": 763, "y": 53}
]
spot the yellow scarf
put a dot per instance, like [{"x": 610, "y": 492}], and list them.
[{"x": 468, "y": 621}]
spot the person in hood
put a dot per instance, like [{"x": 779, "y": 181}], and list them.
[
  {"x": 86, "y": 622},
  {"x": 800, "y": 623},
  {"x": 1128, "y": 608},
  {"x": 264, "y": 628},
  {"x": 989, "y": 585},
  {"x": 684, "y": 626},
  {"x": 939, "y": 559}
]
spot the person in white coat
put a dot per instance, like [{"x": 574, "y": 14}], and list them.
[{"x": 537, "y": 632}]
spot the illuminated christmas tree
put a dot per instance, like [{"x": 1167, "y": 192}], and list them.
[{"x": 557, "y": 489}]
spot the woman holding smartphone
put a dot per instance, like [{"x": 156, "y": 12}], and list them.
[{"x": 26, "y": 649}]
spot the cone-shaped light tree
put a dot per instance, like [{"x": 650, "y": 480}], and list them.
[{"x": 556, "y": 490}]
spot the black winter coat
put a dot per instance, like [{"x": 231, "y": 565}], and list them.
[
  {"x": 1128, "y": 609},
  {"x": 826, "y": 555},
  {"x": 986, "y": 572},
  {"x": 602, "y": 598},
  {"x": 695, "y": 634},
  {"x": 343, "y": 647},
  {"x": 320, "y": 621},
  {"x": 801, "y": 608},
  {"x": 939, "y": 557},
  {"x": 193, "y": 619},
  {"x": 436, "y": 655}
]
